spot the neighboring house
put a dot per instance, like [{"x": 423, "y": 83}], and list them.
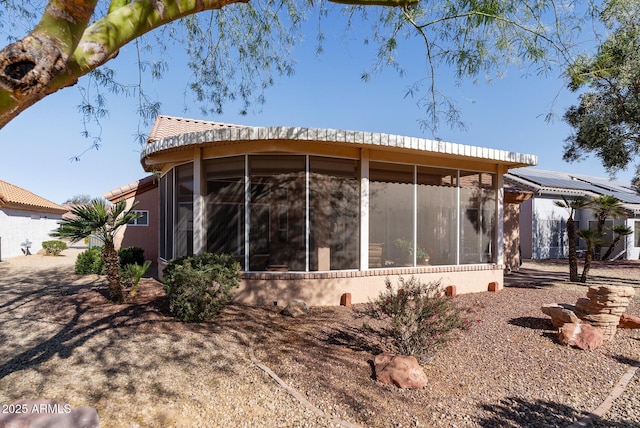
[
  {"x": 314, "y": 213},
  {"x": 24, "y": 217},
  {"x": 143, "y": 232},
  {"x": 543, "y": 224}
]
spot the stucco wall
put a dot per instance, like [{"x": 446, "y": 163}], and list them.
[
  {"x": 326, "y": 289},
  {"x": 633, "y": 252},
  {"x": 16, "y": 226},
  {"x": 145, "y": 237},
  {"x": 512, "y": 235}
]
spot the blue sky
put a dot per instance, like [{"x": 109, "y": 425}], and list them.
[{"x": 325, "y": 92}]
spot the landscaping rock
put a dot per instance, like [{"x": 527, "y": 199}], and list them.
[
  {"x": 42, "y": 413},
  {"x": 560, "y": 314},
  {"x": 583, "y": 336},
  {"x": 629, "y": 321},
  {"x": 295, "y": 308},
  {"x": 399, "y": 370}
]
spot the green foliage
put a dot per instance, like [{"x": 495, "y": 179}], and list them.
[
  {"x": 98, "y": 218},
  {"x": 131, "y": 256},
  {"x": 90, "y": 262},
  {"x": 53, "y": 248},
  {"x": 130, "y": 276},
  {"x": 606, "y": 122},
  {"x": 199, "y": 287},
  {"x": 236, "y": 49},
  {"x": 78, "y": 200},
  {"x": 415, "y": 318}
]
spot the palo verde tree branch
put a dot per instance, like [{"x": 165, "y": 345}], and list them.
[{"x": 63, "y": 47}]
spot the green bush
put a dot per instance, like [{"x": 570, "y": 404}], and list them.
[
  {"x": 131, "y": 256},
  {"x": 130, "y": 276},
  {"x": 199, "y": 287},
  {"x": 53, "y": 248},
  {"x": 90, "y": 261},
  {"x": 415, "y": 319}
]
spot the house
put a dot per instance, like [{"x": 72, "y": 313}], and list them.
[
  {"x": 143, "y": 232},
  {"x": 25, "y": 218},
  {"x": 315, "y": 213},
  {"x": 543, "y": 223}
]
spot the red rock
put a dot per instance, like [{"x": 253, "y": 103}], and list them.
[
  {"x": 583, "y": 336},
  {"x": 295, "y": 308},
  {"x": 42, "y": 413},
  {"x": 560, "y": 314},
  {"x": 494, "y": 286},
  {"x": 629, "y": 321},
  {"x": 450, "y": 290},
  {"x": 399, "y": 370}
]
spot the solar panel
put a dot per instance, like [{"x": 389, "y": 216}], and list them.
[{"x": 598, "y": 185}]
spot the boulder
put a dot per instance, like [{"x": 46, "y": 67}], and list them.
[
  {"x": 295, "y": 308},
  {"x": 583, "y": 336},
  {"x": 560, "y": 314},
  {"x": 629, "y": 321},
  {"x": 42, "y": 413},
  {"x": 399, "y": 370}
]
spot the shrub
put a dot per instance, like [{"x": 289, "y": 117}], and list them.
[
  {"x": 131, "y": 256},
  {"x": 199, "y": 287},
  {"x": 415, "y": 318},
  {"x": 130, "y": 276},
  {"x": 90, "y": 261},
  {"x": 53, "y": 248}
]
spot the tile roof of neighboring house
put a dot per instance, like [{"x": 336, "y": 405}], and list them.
[
  {"x": 169, "y": 126},
  {"x": 15, "y": 197},
  {"x": 128, "y": 190}
]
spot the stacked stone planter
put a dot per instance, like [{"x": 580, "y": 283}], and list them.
[{"x": 603, "y": 306}]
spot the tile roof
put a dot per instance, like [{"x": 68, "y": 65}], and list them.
[
  {"x": 15, "y": 197},
  {"x": 170, "y": 133},
  {"x": 139, "y": 186},
  {"x": 170, "y": 126}
]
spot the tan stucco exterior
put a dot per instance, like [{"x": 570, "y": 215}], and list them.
[{"x": 327, "y": 287}]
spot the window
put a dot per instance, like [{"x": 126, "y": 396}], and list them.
[
  {"x": 437, "y": 216},
  {"x": 143, "y": 220},
  {"x": 224, "y": 205},
  {"x": 636, "y": 234},
  {"x": 391, "y": 211},
  {"x": 334, "y": 213},
  {"x": 302, "y": 213},
  {"x": 183, "y": 243},
  {"x": 477, "y": 222},
  {"x": 607, "y": 232},
  {"x": 277, "y": 213}
]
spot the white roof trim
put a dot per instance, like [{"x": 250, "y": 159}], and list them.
[{"x": 249, "y": 133}]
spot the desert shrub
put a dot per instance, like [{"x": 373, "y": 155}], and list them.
[
  {"x": 53, "y": 248},
  {"x": 130, "y": 276},
  {"x": 199, "y": 287},
  {"x": 131, "y": 256},
  {"x": 415, "y": 318},
  {"x": 90, "y": 261}
]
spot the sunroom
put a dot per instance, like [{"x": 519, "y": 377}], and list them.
[{"x": 320, "y": 214}]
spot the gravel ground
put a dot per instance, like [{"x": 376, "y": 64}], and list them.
[{"x": 61, "y": 339}]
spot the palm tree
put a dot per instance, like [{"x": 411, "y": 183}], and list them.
[
  {"x": 591, "y": 237},
  {"x": 606, "y": 206},
  {"x": 572, "y": 205},
  {"x": 620, "y": 231},
  {"x": 101, "y": 220}
]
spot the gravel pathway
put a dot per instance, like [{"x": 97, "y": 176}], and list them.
[{"x": 60, "y": 339}]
